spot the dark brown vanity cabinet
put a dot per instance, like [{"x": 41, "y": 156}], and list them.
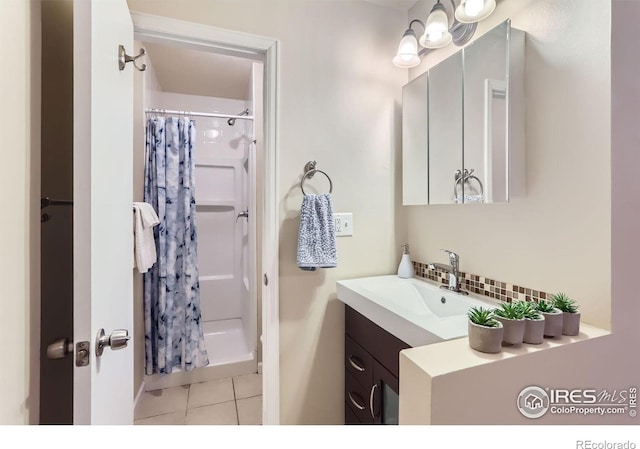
[{"x": 371, "y": 371}]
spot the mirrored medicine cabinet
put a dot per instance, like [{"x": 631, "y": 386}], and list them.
[{"x": 463, "y": 125}]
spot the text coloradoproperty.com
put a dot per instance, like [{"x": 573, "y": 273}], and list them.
[{"x": 559, "y": 409}]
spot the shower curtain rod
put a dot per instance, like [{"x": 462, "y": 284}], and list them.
[{"x": 199, "y": 114}]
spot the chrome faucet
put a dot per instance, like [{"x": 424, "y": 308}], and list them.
[{"x": 454, "y": 272}]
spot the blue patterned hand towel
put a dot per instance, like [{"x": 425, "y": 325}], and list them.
[{"x": 317, "y": 234}]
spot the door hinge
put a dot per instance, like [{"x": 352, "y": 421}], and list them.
[
  {"x": 266, "y": 279},
  {"x": 82, "y": 353}
]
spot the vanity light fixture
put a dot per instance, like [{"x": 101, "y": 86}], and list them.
[{"x": 437, "y": 33}]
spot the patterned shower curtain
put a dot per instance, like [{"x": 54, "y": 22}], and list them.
[{"x": 173, "y": 332}]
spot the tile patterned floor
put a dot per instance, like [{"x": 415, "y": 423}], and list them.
[{"x": 236, "y": 400}]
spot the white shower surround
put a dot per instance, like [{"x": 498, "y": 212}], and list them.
[
  {"x": 229, "y": 313},
  {"x": 266, "y": 49}
]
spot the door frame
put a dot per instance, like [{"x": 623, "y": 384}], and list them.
[{"x": 154, "y": 28}]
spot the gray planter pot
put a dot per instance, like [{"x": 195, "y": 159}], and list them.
[
  {"x": 485, "y": 339},
  {"x": 553, "y": 323},
  {"x": 534, "y": 331},
  {"x": 513, "y": 330},
  {"x": 570, "y": 323}
]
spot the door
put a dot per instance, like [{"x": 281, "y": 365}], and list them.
[
  {"x": 385, "y": 396},
  {"x": 102, "y": 221}
]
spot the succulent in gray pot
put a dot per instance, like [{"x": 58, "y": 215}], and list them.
[
  {"x": 552, "y": 318},
  {"x": 511, "y": 315},
  {"x": 485, "y": 332},
  {"x": 570, "y": 314},
  {"x": 534, "y": 323}
]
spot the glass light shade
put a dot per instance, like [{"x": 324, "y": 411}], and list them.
[
  {"x": 436, "y": 31},
  {"x": 470, "y": 11},
  {"x": 472, "y": 8},
  {"x": 407, "y": 55}
]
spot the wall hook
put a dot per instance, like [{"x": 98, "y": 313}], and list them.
[{"x": 123, "y": 58}]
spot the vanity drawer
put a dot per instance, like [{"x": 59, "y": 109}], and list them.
[
  {"x": 357, "y": 399},
  {"x": 349, "y": 416},
  {"x": 358, "y": 362},
  {"x": 383, "y": 346}
]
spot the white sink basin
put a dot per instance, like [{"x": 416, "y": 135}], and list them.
[{"x": 415, "y": 311}]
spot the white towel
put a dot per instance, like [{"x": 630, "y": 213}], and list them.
[
  {"x": 316, "y": 235},
  {"x": 470, "y": 199},
  {"x": 145, "y": 218}
]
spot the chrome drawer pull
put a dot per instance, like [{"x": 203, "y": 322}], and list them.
[
  {"x": 373, "y": 390},
  {"x": 354, "y": 364},
  {"x": 354, "y": 402}
]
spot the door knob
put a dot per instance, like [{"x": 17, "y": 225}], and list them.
[
  {"x": 244, "y": 213},
  {"x": 117, "y": 340},
  {"x": 59, "y": 349}
]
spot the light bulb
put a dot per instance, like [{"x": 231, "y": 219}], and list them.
[
  {"x": 435, "y": 35},
  {"x": 471, "y": 11},
  {"x": 473, "y": 7}
]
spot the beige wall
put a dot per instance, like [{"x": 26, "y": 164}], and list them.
[
  {"x": 20, "y": 228},
  {"x": 603, "y": 363},
  {"x": 340, "y": 105},
  {"x": 556, "y": 238}
]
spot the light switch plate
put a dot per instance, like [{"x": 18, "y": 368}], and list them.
[{"x": 344, "y": 224}]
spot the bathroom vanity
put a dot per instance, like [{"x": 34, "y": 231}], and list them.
[
  {"x": 413, "y": 326},
  {"x": 371, "y": 371},
  {"x": 383, "y": 316}
]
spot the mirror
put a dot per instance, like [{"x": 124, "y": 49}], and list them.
[
  {"x": 485, "y": 118},
  {"x": 445, "y": 128},
  {"x": 463, "y": 125},
  {"x": 414, "y": 136}
]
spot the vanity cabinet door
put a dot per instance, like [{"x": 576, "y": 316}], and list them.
[
  {"x": 384, "y": 397},
  {"x": 486, "y": 117},
  {"x": 415, "y": 141},
  {"x": 445, "y": 128}
]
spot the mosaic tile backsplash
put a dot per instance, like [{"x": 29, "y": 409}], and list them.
[{"x": 500, "y": 291}]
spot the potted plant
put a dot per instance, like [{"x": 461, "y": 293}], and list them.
[
  {"x": 534, "y": 323},
  {"x": 511, "y": 315},
  {"x": 485, "y": 332},
  {"x": 570, "y": 314},
  {"x": 552, "y": 318}
]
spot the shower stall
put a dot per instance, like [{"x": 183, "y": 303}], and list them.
[{"x": 225, "y": 192}]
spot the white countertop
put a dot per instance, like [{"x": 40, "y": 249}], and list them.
[{"x": 416, "y": 311}]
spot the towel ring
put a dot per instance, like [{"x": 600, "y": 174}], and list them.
[
  {"x": 463, "y": 178},
  {"x": 309, "y": 174}
]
